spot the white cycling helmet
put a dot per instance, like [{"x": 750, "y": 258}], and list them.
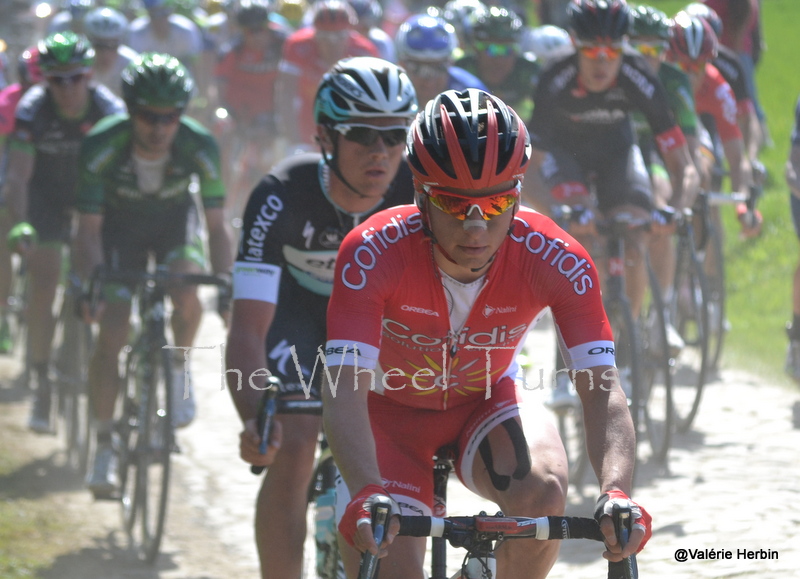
[
  {"x": 105, "y": 24},
  {"x": 548, "y": 43},
  {"x": 364, "y": 86}
]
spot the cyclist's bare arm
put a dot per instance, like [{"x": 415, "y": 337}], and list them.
[
  {"x": 15, "y": 188},
  {"x": 245, "y": 351},
  {"x": 793, "y": 170},
  {"x": 88, "y": 244},
  {"x": 738, "y": 165},
  {"x": 349, "y": 434},
  {"x": 610, "y": 442},
  {"x": 219, "y": 241},
  {"x": 683, "y": 175}
]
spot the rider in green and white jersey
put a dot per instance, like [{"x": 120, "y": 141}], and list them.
[{"x": 135, "y": 200}]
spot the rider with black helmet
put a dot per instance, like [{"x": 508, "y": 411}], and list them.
[
  {"x": 293, "y": 225},
  {"x": 581, "y": 128},
  {"x": 494, "y": 55}
]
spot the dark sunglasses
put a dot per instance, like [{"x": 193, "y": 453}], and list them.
[
  {"x": 153, "y": 118},
  {"x": 368, "y": 135},
  {"x": 66, "y": 80}
]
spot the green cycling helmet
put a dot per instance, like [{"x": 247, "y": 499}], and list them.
[
  {"x": 62, "y": 49},
  {"x": 156, "y": 80},
  {"x": 647, "y": 21}
]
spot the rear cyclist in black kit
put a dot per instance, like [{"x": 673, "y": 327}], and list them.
[
  {"x": 293, "y": 225},
  {"x": 581, "y": 127}
]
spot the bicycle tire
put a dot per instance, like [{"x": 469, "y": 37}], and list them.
[
  {"x": 655, "y": 405},
  {"x": 329, "y": 564},
  {"x": 573, "y": 436},
  {"x": 72, "y": 363},
  {"x": 688, "y": 313},
  {"x": 627, "y": 348},
  {"x": 716, "y": 296},
  {"x": 149, "y": 444}
]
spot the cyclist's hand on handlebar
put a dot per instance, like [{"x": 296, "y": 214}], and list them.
[
  {"x": 355, "y": 525},
  {"x": 250, "y": 441},
  {"x": 641, "y": 525},
  {"x": 751, "y": 221}
]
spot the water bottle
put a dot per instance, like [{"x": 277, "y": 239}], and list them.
[{"x": 325, "y": 534}]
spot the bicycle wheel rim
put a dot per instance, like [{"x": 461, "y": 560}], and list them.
[
  {"x": 154, "y": 455},
  {"x": 570, "y": 429},
  {"x": 716, "y": 302},
  {"x": 628, "y": 355},
  {"x": 656, "y": 400},
  {"x": 689, "y": 314}
]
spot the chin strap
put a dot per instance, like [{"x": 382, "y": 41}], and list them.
[
  {"x": 421, "y": 202},
  {"x": 334, "y": 167}
]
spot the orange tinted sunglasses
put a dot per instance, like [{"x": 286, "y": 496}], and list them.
[
  {"x": 691, "y": 66},
  {"x": 461, "y": 206},
  {"x": 595, "y": 51}
]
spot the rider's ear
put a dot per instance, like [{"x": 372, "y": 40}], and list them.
[{"x": 324, "y": 138}]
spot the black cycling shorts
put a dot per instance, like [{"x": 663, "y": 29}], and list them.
[
  {"x": 620, "y": 177},
  {"x": 50, "y": 217},
  {"x": 172, "y": 234},
  {"x": 295, "y": 339}
]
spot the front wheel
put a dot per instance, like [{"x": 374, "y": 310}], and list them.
[
  {"x": 627, "y": 347},
  {"x": 145, "y": 479}
]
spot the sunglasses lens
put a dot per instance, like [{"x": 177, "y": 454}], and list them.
[
  {"x": 66, "y": 80},
  {"x": 367, "y": 136},
  {"x": 152, "y": 118},
  {"x": 461, "y": 207},
  {"x": 595, "y": 52}
]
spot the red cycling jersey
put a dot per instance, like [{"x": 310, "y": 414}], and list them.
[
  {"x": 715, "y": 97},
  {"x": 389, "y": 302},
  {"x": 301, "y": 58},
  {"x": 249, "y": 82},
  {"x": 9, "y": 97}
]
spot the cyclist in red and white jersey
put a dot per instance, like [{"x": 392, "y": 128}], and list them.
[
  {"x": 430, "y": 304},
  {"x": 692, "y": 47},
  {"x": 307, "y": 55}
]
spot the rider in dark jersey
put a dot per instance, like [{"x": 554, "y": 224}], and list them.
[
  {"x": 495, "y": 58},
  {"x": 581, "y": 128},
  {"x": 293, "y": 225},
  {"x": 134, "y": 198},
  {"x": 51, "y": 121}
]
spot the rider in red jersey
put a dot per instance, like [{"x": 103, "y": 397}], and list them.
[
  {"x": 307, "y": 55},
  {"x": 692, "y": 47},
  {"x": 430, "y": 304}
]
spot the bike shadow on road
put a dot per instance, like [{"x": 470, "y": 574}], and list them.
[
  {"x": 40, "y": 477},
  {"x": 110, "y": 557}
]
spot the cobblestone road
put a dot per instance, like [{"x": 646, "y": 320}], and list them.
[{"x": 733, "y": 484}]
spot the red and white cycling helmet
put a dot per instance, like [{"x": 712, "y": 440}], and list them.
[
  {"x": 468, "y": 140},
  {"x": 692, "y": 39}
]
